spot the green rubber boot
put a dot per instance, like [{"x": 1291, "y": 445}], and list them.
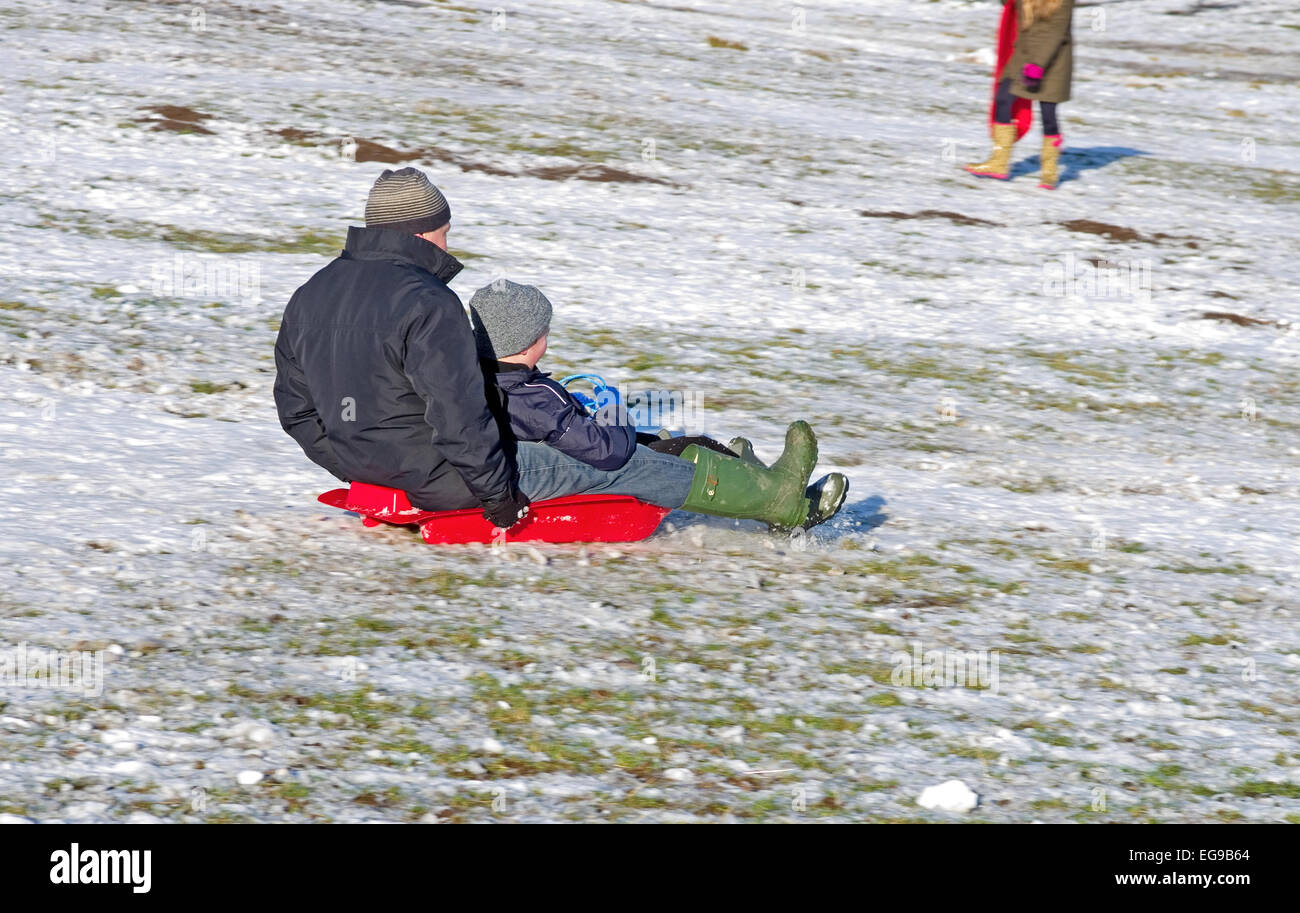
[
  {"x": 729, "y": 487},
  {"x": 744, "y": 449},
  {"x": 826, "y": 495}
]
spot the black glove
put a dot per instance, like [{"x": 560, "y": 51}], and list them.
[{"x": 506, "y": 511}]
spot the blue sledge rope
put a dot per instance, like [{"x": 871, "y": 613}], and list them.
[{"x": 605, "y": 394}]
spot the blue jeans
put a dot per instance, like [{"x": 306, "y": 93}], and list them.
[{"x": 657, "y": 478}]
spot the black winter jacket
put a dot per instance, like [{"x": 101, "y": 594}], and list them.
[
  {"x": 378, "y": 380},
  {"x": 536, "y": 408}
]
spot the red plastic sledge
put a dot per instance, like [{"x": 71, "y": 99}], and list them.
[
  {"x": 1022, "y": 109},
  {"x": 577, "y": 518}
]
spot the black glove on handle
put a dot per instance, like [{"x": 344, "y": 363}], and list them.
[{"x": 506, "y": 511}]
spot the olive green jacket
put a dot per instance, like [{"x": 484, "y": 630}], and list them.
[{"x": 1047, "y": 43}]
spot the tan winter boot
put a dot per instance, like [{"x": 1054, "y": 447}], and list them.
[
  {"x": 1051, "y": 161},
  {"x": 999, "y": 162}
]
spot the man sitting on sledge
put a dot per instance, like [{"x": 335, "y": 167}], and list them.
[{"x": 378, "y": 380}]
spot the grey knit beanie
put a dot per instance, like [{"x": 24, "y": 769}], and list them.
[
  {"x": 405, "y": 200},
  {"x": 508, "y": 318}
]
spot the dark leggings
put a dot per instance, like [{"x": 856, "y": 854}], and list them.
[{"x": 1002, "y": 109}]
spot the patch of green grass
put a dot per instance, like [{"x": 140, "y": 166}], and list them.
[
  {"x": 542, "y": 145},
  {"x": 1263, "y": 789},
  {"x": 1276, "y": 187},
  {"x": 1045, "y": 804},
  {"x": 292, "y": 790},
  {"x": 1261, "y": 709},
  {"x": 1056, "y": 738},
  {"x": 977, "y": 754},
  {"x": 878, "y": 672},
  {"x": 1195, "y": 356},
  {"x": 646, "y": 361},
  {"x": 1208, "y": 569},
  {"x": 364, "y": 712},
  {"x": 875, "y": 786},
  {"x": 637, "y": 801},
  {"x": 1196, "y": 640},
  {"x": 1165, "y": 776},
  {"x": 303, "y": 241},
  {"x": 207, "y": 386},
  {"x": 464, "y": 255},
  {"x": 1072, "y": 615},
  {"x": 1078, "y": 371},
  {"x": 1035, "y": 486},
  {"x": 902, "y": 569},
  {"x": 660, "y": 615},
  {"x": 1078, "y": 565},
  {"x": 1001, "y": 586},
  {"x": 448, "y": 584},
  {"x": 884, "y": 628}
]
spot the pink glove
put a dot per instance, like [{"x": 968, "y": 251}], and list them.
[{"x": 1032, "y": 75}]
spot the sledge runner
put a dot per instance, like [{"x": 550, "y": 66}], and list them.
[{"x": 1035, "y": 63}]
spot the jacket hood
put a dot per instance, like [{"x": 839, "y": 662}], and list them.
[
  {"x": 386, "y": 244},
  {"x": 501, "y": 367},
  {"x": 510, "y": 376}
]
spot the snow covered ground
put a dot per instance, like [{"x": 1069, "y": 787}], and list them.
[{"x": 1092, "y": 482}]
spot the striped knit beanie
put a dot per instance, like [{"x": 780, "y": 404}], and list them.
[{"x": 406, "y": 200}]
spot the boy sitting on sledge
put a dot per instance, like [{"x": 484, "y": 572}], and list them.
[{"x": 511, "y": 326}]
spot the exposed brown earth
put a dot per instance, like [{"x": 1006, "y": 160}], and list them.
[
  {"x": 1120, "y": 233},
  {"x": 371, "y": 151},
  {"x": 954, "y": 217},
  {"x": 1239, "y": 319},
  {"x": 178, "y": 119}
]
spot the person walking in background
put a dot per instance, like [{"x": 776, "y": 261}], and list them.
[{"x": 1035, "y": 63}]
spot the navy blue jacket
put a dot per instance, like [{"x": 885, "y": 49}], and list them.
[
  {"x": 537, "y": 408},
  {"x": 378, "y": 378}
]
